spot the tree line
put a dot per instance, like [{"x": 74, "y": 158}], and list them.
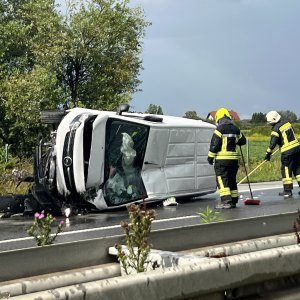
[{"x": 257, "y": 119}]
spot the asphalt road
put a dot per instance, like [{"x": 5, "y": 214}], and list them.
[{"x": 13, "y": 230}]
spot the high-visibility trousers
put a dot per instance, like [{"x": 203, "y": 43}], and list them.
[
  {"x": 226, "y": 171},
  {"x": 290, "y": 165}
]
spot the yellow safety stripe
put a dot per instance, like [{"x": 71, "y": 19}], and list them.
[
  {"x": 285, "y": 140},
  {"x": 275, "y": 133},
  {"x": 224, "y": 191},
  {"x": 288, "y": 146},
  {"x": 269, "y": 150},
  {"x": 218, "y": 133},
  {"x": 224, "y": 154},
  {"x": 227, "y": 155},
  {"x": 298, "y": 177},
  {"x": 221, "y": 185},
  {"x": 286, "y": 171},
  {"x": 211, "y": 154},
  {"x": 285, "y": 126},
  {"x": 287, "y": 180},
  {"x": 224, "y": 144},
  {"x": 234, "y": 193}
]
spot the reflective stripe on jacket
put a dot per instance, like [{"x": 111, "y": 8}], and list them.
[
  {"x": 224, "y": 140},
  {"x": 284, "y": 136}
]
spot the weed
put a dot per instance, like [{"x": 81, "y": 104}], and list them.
[
  {"x": 41, "y": 229},
  {"x": 136, "y": 239},
  {"x": 209, "y": 215}
]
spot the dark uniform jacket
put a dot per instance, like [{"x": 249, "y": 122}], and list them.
[
  {"x": 224, "y": 140},
  {"x": 283, "y": 135}
]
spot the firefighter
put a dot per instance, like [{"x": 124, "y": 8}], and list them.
[
  {"x": 283, "y": 135},
  {"x": 223, "y": 154}
]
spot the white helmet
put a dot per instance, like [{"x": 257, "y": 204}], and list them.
[{"x": 273, "y": 117}]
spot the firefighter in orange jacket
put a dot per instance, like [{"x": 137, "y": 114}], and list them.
[
  {"x": 223, "y": 154},
  {"x": 283, "y": 135}
]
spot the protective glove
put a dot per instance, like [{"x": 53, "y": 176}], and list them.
[
  {"x": 210, "y": 160},
  {"x": 268, "y": 156}
]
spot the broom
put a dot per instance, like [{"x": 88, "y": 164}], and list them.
[{"x": 249, "y": 201}]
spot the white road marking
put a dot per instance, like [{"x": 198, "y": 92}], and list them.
[
  {"x": 243, "y": 189},
  {"x": 99, "y": 229}
]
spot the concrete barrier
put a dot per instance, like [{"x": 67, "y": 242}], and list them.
[
  {"x": 61, "y": 257},
  {"x": 210, "y": 277},
  {"x": 57, "y": 280}
]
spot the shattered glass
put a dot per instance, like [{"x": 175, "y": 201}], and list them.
[{"x": 125, "y": 150}]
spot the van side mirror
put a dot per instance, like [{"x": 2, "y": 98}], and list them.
[{"x": 122, "y": 108}]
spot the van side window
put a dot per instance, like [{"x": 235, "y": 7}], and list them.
[{"x": 124, "y": 154}]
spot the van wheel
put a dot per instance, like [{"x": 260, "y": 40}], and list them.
[{"x": 52, "y": 116}]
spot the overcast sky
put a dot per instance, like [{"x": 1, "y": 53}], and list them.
[{"x": 204, "y": 54}]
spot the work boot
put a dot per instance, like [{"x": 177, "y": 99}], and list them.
[
  {"x": 286, "y": 194},
  {"x": 223, "y": 206}
]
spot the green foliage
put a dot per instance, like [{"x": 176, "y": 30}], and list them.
[
  {"x": 136, "y": 239},
  {"x": 154, "y": 109},
  {"x": 269, "y": 171},
  {"x": 191, "y": 114},
  {"x": 209, "y": 215},
  {"x": 288, "y": 115},
  {"x": 102, "y": 60},
  {"x": 90, "y": 58},
  {"x": 258, "y": 118},
  {"x": 41, "y": 229},
  {"x": 264, "y": 130}
]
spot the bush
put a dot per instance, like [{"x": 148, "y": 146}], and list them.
[{"x": 8, "y": 178}]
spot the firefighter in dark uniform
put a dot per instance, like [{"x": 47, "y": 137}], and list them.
[
  {"x": 283, "y": 135},
  {"x": 223, "y": 153}
]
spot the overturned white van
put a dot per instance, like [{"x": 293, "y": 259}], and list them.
[{"x": 102, "y": 159}]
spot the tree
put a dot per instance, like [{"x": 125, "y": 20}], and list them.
[
  {"x": 29, "y": 31},
  {"x": 288, "y": 115},
  {"x": 90, "y": 58},
  {"x": 154, "y": 109},
  {"x": 258, "y": 118},
  {"x": 102, "y": 62},
  {"x": 191, "y": 114}
]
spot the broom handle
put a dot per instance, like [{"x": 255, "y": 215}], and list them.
[
  {"x": 246, "y": 172},
  {"x": 256, "y": 167}
]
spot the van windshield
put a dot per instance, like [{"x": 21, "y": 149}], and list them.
[{"x": 124, "y": 155}]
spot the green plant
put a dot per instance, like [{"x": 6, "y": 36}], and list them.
[
  {"x": 41, "y": 229},
  {"x": 209, "y": 215},
  {"x": 136, "y": 238}
]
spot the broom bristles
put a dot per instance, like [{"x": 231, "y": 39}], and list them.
[{"x": 252, "y": 202}]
